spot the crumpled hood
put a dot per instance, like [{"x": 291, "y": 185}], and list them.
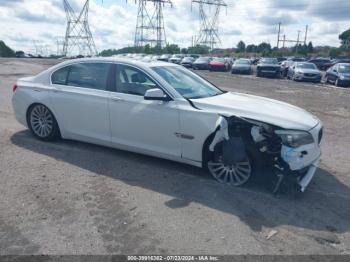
[{"x": 259, "y": 108}]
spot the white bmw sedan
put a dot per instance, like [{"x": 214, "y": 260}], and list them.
[{"x": 167, "y": 111}]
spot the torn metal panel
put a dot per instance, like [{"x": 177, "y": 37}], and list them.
[
  {"x": 221, "y": 132},
  {"x": 291, "y": 165},
  {"x": 300, "y": 157},
  {"x": 305, "y": 181}
]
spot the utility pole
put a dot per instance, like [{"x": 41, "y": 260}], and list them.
[
  {"x": 78, "y": 39},
  {"x": 208, "y": 34},
  {"x": 150, "y": 23},
  {"x": 305, "y": 38},
  {"x": 285, "y": 40},
  {"x": 278, "y": 35},
  {"x": 297, "y": 46}
]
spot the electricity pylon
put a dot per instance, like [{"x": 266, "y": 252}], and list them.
[
  {"x": 78, "y": 39},
  {"x": 150, "y": 23},
  {"x": 208, "y": 34}
]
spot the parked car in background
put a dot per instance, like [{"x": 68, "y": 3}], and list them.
[
  {"x": 218, "y": 64},
  {"x": 339, "y": 75},
  {"x": 285, "y": 67},
  {"x": 268, "y": 67},
  {"x": 201, "y": 63},
  {"x": 304, "y": 71},
  {"x": 176, "y": 59},
  {"x": 254, "y": 60},
  {"x": 164, "y": 58},
  {"x": 230, "y": 61},
  {"x": 242, "y": 66},
  {"x": 195, "y": 56},
  {"x": 320, "y": 62},
  {"x": 336, "y": 61},
  {"x": 281, "y": 59},
  {"x": 289, "y": 62},
  {"x": 187, "y": 61}
]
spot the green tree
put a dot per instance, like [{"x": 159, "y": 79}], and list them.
[
  {"x": 198, "y": 49},
  {"x": 251, "y": 48},
  {"x": 6, "y": 51},
  {"x": 334, "y": 52},
  {"x": 310, "y": 47},
  {"x": 240, "y": 47},
  {"x": 264, "y": 48},
  {"x": 344, "y": 36},
  {"x": 171, "y": 49},
  {"x": 147, "y": 49}
]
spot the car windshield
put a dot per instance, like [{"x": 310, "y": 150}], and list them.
[
  {"x": 203, "y": 59},
  {"x": 269, "y": 61},
  {"x": 242, "y": 61},
  {"x": 186, "y": 83},
  {"x": 306, "y": 65},
  {"x": 344, "y": 69},
  {"x": 187, "y": 59},
  {"x": 219, "y": 59},
  {"x": 164, "y": 56}
]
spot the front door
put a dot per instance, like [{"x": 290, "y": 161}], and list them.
[{"x": 142, "y": 125}]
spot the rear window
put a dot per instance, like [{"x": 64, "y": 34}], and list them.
[
  {"x": 89, "y": 75},
  {"x": 60, "y": 76}
]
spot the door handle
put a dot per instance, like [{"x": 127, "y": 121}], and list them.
[{"x": 117, "y": 99}]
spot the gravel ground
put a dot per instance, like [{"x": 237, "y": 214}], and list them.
[{"x": 75, "y": 198}]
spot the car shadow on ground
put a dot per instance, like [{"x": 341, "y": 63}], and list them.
[{"x": 324, "y": 206}]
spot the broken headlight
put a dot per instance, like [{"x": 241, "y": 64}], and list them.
[{"x": 294, "y": 138}]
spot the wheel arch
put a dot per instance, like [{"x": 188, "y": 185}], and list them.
[
  {"x": 205, "y": 149},
  {"x": 43, "y": 104}
]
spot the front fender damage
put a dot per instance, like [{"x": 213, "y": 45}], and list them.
[{"x": 290, "y": 167}]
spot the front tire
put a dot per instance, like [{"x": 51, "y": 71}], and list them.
[
  {"x": 42, "y": 123},
  {"x": 233, "y": 175}
]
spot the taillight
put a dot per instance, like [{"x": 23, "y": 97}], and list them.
[{"x": 14, "y": 88}]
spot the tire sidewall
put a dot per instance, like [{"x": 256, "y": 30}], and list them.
[{"x": 55, "y": 132}]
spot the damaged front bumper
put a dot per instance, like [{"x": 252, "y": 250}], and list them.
[{"x": 304, "y": 158}]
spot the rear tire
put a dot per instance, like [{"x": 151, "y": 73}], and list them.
[{"x": 42, "y": 123}]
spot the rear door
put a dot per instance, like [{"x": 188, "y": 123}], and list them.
[
  {"x": 80, "y": 101},
  {"x": 142, "y": 125}
]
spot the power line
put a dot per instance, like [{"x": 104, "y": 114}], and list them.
[
  {"x": 150, "y": 23},
  {"x": 208, "y": 34},
  {"x": 78, "y": 39}
]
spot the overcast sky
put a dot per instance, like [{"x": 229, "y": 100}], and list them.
[{"x": 113, "y": 22}]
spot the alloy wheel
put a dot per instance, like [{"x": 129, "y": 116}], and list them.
[
  {"x": 41, "y": 121},
  {"x": 234, "y": 175}
]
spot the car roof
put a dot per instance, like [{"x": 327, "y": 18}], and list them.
[{"x": 131, "y": 61}]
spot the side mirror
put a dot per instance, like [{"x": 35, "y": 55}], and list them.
[{"x": 156, "y": 94}]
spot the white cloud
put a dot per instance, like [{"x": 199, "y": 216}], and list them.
[{"x": 113, "y": 22}]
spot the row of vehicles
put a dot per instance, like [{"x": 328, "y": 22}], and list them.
[{"x": 296, "y": 68}]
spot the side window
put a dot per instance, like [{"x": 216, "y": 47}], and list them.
[
  {"x": 130, "y": 80},
  {"x": 89, "y": 75},
  {"x": 60, "y": 76}
]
